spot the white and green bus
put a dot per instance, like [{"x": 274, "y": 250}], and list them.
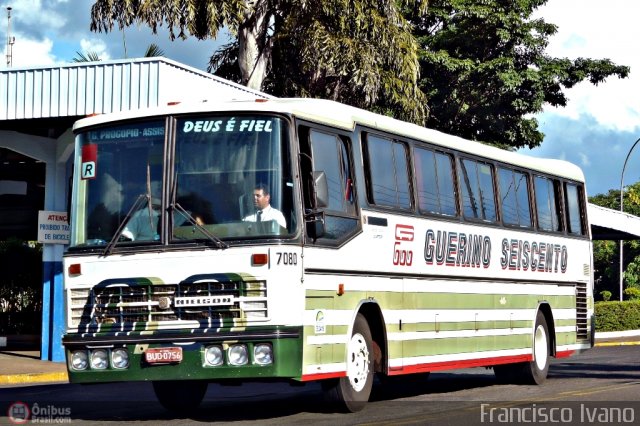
[{"x": 397, "y": 250}]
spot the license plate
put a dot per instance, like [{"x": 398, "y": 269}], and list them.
[{"x": 163, "y": 355}]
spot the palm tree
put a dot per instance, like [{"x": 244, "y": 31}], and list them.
[{"x": 152, "y": 51}]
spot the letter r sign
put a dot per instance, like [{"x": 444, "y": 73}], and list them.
[
  {"x": 89, "y": 161},
  {"x": 89, "y": 170}
]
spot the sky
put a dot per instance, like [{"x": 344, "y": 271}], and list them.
[{"x": 596, "y": 130}]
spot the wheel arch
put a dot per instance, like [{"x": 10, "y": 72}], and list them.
[
  {"x": 545, "y": 308},
  {"x": 373, "y": 314}
]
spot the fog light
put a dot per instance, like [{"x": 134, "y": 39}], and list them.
[
  {"x": 263, "y": 354},
  {"x": 99, "y": 359},
  {"x": 79, "y": 360},
  {"x": 213, "y": 355},
  {"x": 120, "y": 358},
  {"x": 238, "y": 355}
]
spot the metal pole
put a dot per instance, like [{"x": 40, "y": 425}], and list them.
[
  {"x": 9, "y": 36},
  {"x": 622, "y": 211}
]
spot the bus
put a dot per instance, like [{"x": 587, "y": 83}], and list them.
[{"x": 386, "y": 249}]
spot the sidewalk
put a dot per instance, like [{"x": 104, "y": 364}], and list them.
[{"x": 25, "y": 367}]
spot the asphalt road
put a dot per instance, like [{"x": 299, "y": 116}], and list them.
[{"x": 597, "y": 387}]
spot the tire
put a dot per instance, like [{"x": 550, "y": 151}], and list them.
[
  {"x": 533, "y": 372},
  {"x": 180, "y": 396},
  {"x": 352, "y": 393}
]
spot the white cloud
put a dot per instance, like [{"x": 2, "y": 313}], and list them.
[
  {"x": 584, "y": 159},
  {"x": 32, "y": 53},
  {"x": 96, "y": 46},
  {"x": 35, "y": 14},
  {"x": 599, "y": 30}
]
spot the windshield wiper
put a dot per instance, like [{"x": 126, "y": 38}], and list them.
[
  {"x": 135, "y": 207},
  {"x": 216, "y": 241}
]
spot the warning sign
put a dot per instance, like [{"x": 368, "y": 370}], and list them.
[{"x": 53, "y": 227}]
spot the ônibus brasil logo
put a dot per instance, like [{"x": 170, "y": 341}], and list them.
[{"x": 19, "y": 413}]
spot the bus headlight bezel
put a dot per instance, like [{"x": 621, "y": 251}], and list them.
[
  {"x": 263, "y": 354},
  {"x": 238, "y": 354},
  {"x": 120, "y": 358},
  {"x": 213, "y": 356},
  {"x": 99, "y": 359},
  {"x": 79, "y": 360}
]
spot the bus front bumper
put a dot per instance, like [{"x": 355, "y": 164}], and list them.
[{"x": 215, "y": 355}]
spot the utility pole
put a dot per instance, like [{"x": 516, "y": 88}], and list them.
[{"x": 10, "y": 40}]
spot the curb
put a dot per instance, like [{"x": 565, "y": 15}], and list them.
[
  {"x": 603, "y": 344},
  {"x": 18, "y": 379},
  {"x": 614, "y": 334}
]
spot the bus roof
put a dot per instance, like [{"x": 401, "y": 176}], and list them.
[{"x": 347, "y": 118}]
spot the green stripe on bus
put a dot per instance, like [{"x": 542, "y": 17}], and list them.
[{"x": 391, "y": 300}]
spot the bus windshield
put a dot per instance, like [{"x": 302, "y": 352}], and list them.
[{"x": 223, "y": 177}]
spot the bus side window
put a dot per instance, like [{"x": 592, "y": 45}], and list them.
[
  {"x": 478, "y": 198},
  {"x": 434, "y": 176},
  {"x": 330, "y": 156},
  {"x": 573, "y": 203},
  {"x": 514, "y": 194},
  {"x": 388, "y": 176},
  {"x": 329, "y": 153},
  {"x": 548, "y": 204}
]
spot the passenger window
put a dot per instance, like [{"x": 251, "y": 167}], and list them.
[
  {"x": 547, "y": 204},
  {"x": 478, "y": 198},
  {"x": 329, "y": 153},
  {"x": 388, "y": 173},
  {"x": 514, "y": 194},
  {"x": 434, "y": 175},
  {"x": 573, "y": 202}
]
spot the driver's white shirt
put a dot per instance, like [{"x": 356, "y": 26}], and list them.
[{"x": 268, "y": 213}]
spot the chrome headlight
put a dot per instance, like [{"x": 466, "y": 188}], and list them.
[
  {"x": 120, "y": 358},
  {"x": 79, "y": 360},
  {"x": 238, "y": 355},
  {"x": 213, "y": 355},
  {"x": 263, "y": 354},
  {"x": 99, "y": 359}
]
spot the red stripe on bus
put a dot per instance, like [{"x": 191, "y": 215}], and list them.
[
  {"x": 322, "y": 376},
  {"x": 446, "y": 365},
  {"x": 565, "y": 354},
  {"x": 449, "y": 365}
]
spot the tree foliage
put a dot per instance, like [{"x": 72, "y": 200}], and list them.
[
  {"x": 153, "y": 50},
  {"x": 476, "y": 69},
  {"x": 606, "y": 254},
  {"x": 359, "y": 52},
  {"x": 485, "y": 71}
]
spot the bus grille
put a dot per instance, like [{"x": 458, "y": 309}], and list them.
[
  {"x": 207, "y": 301},
  {"x": 581, "y": 311}
]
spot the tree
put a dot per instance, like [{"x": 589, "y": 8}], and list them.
[
  {"x": 88, "y": 57},
  {"x": 358, "y": 52},
  {"x": 606, "y": 254},
  {"x": 485, "y": 71},
  {"x": 152, "y": 51}
]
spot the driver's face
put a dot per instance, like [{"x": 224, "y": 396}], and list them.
[{"x": 260, "y": 199}]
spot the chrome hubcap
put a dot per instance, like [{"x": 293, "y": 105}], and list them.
[
  {"x": 540, "y": 348},
  {"x": 358, "y": 362}
]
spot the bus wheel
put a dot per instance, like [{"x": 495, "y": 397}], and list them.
[
  {"x": 535, "y": 372},
  {"x": 351, "y": 393},
  {"x": 180, "y": 395}
]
